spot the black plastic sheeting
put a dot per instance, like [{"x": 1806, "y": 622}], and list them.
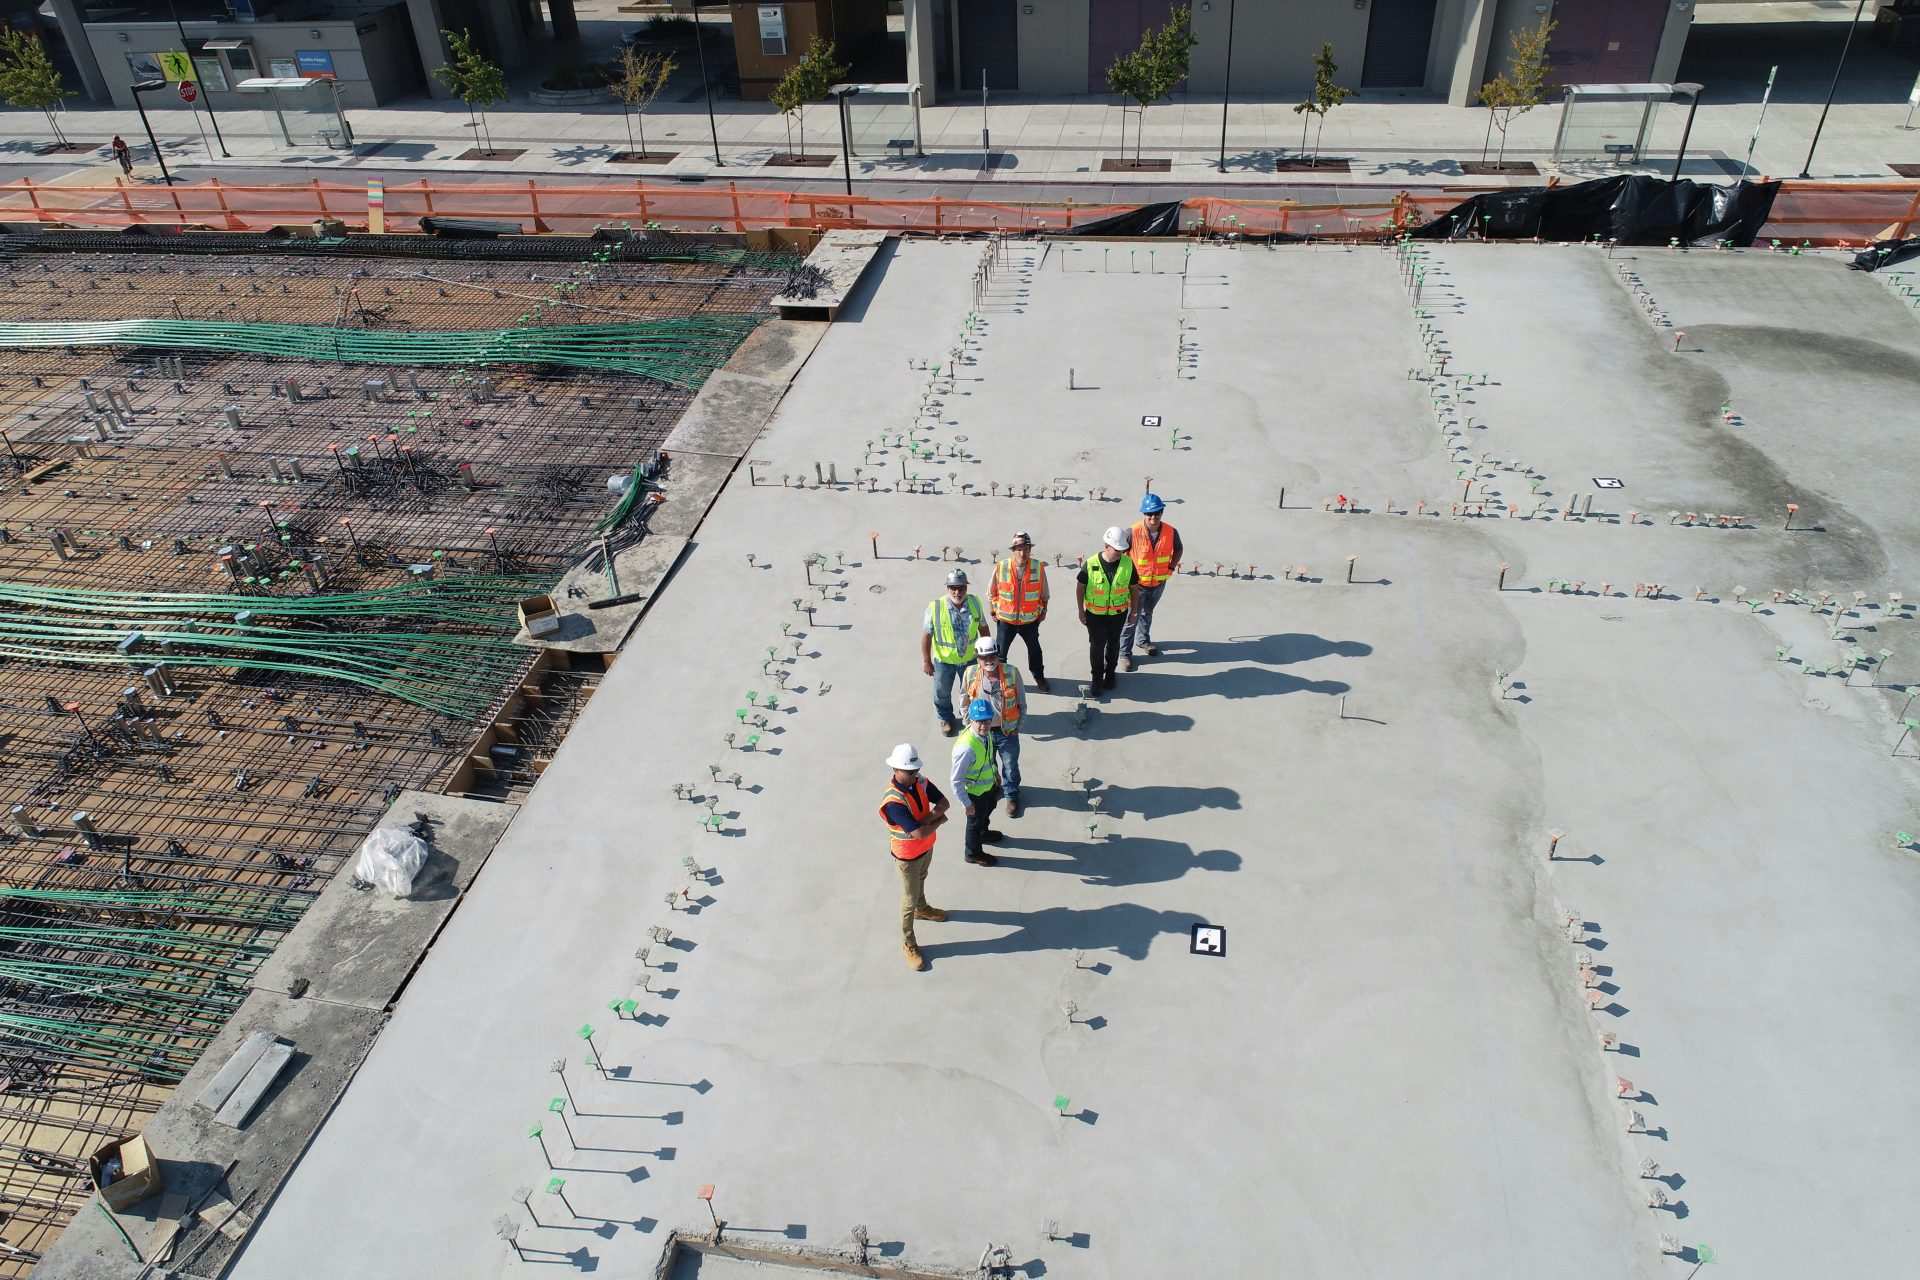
[
  {"x": 1629, "y": 209},
  {"x": 1147, "y": 220},
  {"x": 1885, "y": 254}
]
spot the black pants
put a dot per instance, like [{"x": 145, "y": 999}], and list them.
[
  {"x": 1103, "y": 645},
  {"x": 978, "y": 819},
  {"x": 1003, "y": 634}
]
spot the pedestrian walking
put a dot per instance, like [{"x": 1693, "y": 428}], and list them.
[
  {"x": 1106, "y": 593},
  {"x": 953, "y": 623},
  {"x": 122, "y": 153},
  {"x": 976, "y": 783},
  {"x": 1154, "y": 546},
  {"x": 1018, "y": 598},
  {"x": 998, "y": 681},
  {"x": 914, "y": 810}
]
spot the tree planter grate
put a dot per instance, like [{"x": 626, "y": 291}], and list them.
[
  {"x": 1295, "y": 164},
  {"x": 1492, "y": 169},
  {"x": 641, "y": 157},
  {"x": 788, "y": 158},
  {"x": 498, "y": 153},
  {"x": 1136, "y": 166}
]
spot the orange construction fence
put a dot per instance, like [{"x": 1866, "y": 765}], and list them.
[{"x": 1821, "y": 212}]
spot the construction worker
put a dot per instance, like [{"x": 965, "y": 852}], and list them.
[
  {"x": 947, "y": 636},
  {"x": 1018, "y": 599},
  {"x": 913, "y": 810},
  {"x": 1154, "y": 546},
  {"x": 1106, "y": 593},
  {"x": 975, "y": 781},
  {"x": 999, "y": 683}
]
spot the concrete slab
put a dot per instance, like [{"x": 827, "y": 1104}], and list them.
[
  {"x": 1397, "y": 1069},
  {"x": 358, "y": 946},
  {"x": 726, "y": 416},
  {"x": 640, "y": 568},
  {"x": 776, "y": 350},
  {"x": 842, "y": 257}
]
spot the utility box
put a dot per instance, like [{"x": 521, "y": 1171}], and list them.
[{"x": 138, "y": 1176}]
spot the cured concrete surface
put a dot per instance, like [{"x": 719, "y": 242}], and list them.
[{"x": 1395, "y": 1070}]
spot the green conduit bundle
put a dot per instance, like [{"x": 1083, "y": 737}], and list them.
[
  {"x": 457, "y": 675},
  {"x": 680, "y": 352}
]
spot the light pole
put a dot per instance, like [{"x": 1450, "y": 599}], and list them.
[
  {"x": 208, "y": 95},
  {"x": 841, "y": 93},
  {"x": 700, "y": 47},
  {"x": 1806, "y": 170},
  {"x": 1226, "y": 93},
  {"x": 1693, "y": 103},
  {"x": 146, "y": 86}
]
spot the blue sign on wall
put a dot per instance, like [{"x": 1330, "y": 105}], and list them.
[{"x": 314, "y": 64}]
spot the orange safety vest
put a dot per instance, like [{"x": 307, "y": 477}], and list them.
[
  {"x": 1152, "y": 561},
  {"x": 1009, "y": 691},
  {"x": 907, "y": 846},
  {"x": 1018, "y": 600}
]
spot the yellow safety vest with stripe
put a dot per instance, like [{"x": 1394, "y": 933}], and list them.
[
  {"x": 1108, "y": 594},
  {"x": 1152, "y": 557},
  {"x": 919, "y": 802},
  {"x": 947, "y": 647},
  {"x": 1018, "y": 599},
  {"x": 980, "y": 776}
]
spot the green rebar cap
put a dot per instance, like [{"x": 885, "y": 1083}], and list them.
[
  {"x": 586, "y": 1031},
  {"x": 557, "y": 1105},
  {"x": 535, "y": 1132},
  {"x": 554, "y": 1184},
  {"x": 1061, "y": 1102}
]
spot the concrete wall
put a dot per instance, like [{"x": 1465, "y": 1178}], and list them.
[
  {"x": 1274, "y": 44},
  {"x": 759, "y": 72},
  {"x": 372, "y": 54},
  {"x": 1053, "y": 46}
]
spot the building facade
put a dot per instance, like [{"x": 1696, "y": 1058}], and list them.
[{"x": 1443, "y": 49}]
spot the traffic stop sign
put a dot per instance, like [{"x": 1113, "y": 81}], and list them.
[{"x": 187, "y": 92}]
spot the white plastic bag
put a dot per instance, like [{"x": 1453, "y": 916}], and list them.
[{"x": 390, "y": 858}]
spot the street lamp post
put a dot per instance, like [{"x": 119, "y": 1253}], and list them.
[
  {"x": 1806, "y": 170},
  {"x": 147, "y": 86},
  {"x": 700, "y": 47},
  {"x": 208, "y": 96},
  {"x": 1693, "y": 104},
  {"x": 841, "y": 93},
  {"x": 1226, "y": 93}
]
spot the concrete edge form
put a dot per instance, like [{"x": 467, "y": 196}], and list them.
[
  {"x": 842, "y": 257},
  {"x": 356, "y": 948},
  {"x": 796, "y": 1258}
]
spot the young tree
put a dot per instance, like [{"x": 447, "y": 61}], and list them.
[
  {"x": 643, "y": 75},
  {"x": 1155, "y": 69},
  {"x": 1519, "y": 87},
  {"x": 473, "y": 79},
  {"x": 1325, "y": 97},
  {"x": 809, "y": 80},
  {"x": 28, "y": 77}
]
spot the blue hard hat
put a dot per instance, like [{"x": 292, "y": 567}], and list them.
[
  {"x": 980, "y": 709},
  {"x": 1151, "y": 505}
]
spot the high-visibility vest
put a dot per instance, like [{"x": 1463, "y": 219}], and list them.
[
  {"x": 1018, "y": 599},
  {"x": 906, "y": 845},
  {"x": 1008, "y": 703},
  {"x": 980, "y": 776},
  {"x": 955, "y": 650},
  {"x": 1108, "y": 594},
  {"x": 1152, "y": 560}
]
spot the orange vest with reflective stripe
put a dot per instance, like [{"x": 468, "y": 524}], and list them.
[
  {"x": 1009, "y": 691},
  {"x": 1018, "y": 599},
  {"x": 1152, "y": 560},
  {"x": 907, "y": 846}
]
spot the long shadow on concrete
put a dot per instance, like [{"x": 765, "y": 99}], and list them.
[
  {"x": 1147, "y": 802},
  {"x": 1234, "y": 682},
  {"x": 1127, "y": 860},
  {"x": 1276, "y": 650},
  {"x": 1102, "y": 722},
  {"x": 1126, "y": 927}
]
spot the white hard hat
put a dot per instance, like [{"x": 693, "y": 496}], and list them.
[
  {"x": 905, "y": 756},
  {"x": 986, "y": 646},
  {"x": 1117, "y": 538}
]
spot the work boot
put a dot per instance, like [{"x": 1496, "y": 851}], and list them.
[
  {"x": 949, "y": 728},
  {"x": 1013, "y": 808},
  {"x": 1130, "y": 664},
  {"x": 1153, "y": 651},
  {"x": 1040, "y": 683},
  {"x": 914, "y": 959},
  {"x": 982, "y": 859},
  {"x": 934, "y": 914},
  {"x": 993, "y": 837}
]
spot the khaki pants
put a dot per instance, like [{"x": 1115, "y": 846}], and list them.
[{"x": 913, "y": 891}]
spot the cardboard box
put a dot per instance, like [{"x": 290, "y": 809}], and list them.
[
  {"x": 139, "y": 1172},
  {"x": 536, "y": 607}
]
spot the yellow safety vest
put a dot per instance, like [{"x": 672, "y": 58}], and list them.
[
  {"x": 980, "y": 776},
  {"x": 948, "y": 648},
  {"x": 1108, "y": 595}
]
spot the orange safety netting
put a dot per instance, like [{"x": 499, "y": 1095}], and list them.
[{"x": 1823, "y": 213}]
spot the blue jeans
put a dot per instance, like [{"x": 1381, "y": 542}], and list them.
[
  {"x": 1141, "y": 619},
  {"x": 1006, "y": 752},
  {"x": 944, "y": 674}
]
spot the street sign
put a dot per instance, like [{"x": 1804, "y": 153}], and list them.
[{"x": 187, "y": 91}]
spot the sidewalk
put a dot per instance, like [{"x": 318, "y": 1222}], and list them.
[{"x": 1051, "y": 141}]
